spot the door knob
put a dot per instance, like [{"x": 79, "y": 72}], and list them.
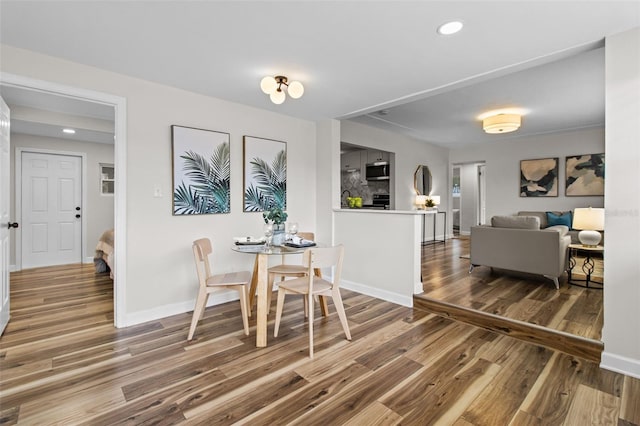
[
  {"x": 13, "y": 225},
  {"x": 78, "y": 209},
  {"x": 77, "y": 216}
]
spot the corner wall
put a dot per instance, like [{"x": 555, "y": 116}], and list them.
[{"x": 621, "y": 332}]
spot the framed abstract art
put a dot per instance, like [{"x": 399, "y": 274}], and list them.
[
  {"x": 539, "y": 177},
  {"x": 584, "y": 175}
]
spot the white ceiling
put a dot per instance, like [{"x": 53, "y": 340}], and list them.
[{"x": 354, "y": 58}]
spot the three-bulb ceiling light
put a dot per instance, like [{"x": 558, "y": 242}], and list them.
[
  {"x": 501, "y": 123},
  {"x": 274, "y": 87}
]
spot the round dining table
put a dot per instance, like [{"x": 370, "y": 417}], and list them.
[{"x": 260, "y": 282}]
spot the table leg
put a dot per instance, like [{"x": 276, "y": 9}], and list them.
[
  {"x": 254, "y": 284},
  {"x": 261, "y": 321}
]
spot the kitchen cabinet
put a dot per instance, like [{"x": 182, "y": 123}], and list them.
[
  {"x": 350, "y": 160},
  {"x": 375, "y": 155}
]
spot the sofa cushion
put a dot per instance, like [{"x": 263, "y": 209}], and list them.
[
  {"x": 542, "y": 216},
  {"x": 516, "y": 222},
  {"x": 559, "y": 219},
  {"x": 561, "y": 229}
]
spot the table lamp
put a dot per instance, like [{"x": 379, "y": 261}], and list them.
[{"x": 589, "y": 221}]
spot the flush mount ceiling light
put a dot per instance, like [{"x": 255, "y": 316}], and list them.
[
  {"x": 501, "y": 123},
  {"x": 69, "y": 131},
  {"x": 274, "y": 87},
  {"x": 449, "y": 28}
]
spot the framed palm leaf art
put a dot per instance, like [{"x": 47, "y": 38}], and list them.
[
  {"x": 201, "y": 171},
  {"x": 265, "y": 174}
]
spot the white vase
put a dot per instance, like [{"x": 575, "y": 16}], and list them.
[{"x": 278, "y": 234}]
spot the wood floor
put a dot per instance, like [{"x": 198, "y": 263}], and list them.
[
  {"x": 523, "y": 297},
  {"x": 63, "y": 363}
]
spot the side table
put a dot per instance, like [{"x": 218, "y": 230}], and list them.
[{"x": 588, "y": 266}]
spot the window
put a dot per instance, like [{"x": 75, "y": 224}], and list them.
[{"x": 107, "y": 181}]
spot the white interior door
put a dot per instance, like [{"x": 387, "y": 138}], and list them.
[
  {"x": 4, "y": 215},
  {"x": 482, "y": 189},
  {"x": 51, "y": 209}
]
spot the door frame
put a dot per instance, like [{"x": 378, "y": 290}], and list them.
[
  {"x": 18, "y": 197},
  {"x": 119, "y": 105}
]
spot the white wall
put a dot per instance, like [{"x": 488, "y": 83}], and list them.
[
  {"x": 99, "y": 208},
  {"x": 502, "y": 160},
  {"x": 621, "y": 332},
  {"x": 160, "y": 274},
  {"x": 409, "y": 154}
]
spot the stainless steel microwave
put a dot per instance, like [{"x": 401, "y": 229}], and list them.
[{"x": 377, "y": 171}]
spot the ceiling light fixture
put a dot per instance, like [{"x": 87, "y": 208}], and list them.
[
  {"x": 449, "y": 28},
  {"x": 273, "y": 86},
  {"x": 501, "y": 123},
  {"x": 69, "y": 131}
]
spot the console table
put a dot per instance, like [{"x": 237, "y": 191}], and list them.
[
  {"x": 588, "y": 266},
  {"x": 435, "y": 214}
]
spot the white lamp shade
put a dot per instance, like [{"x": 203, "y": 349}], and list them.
[
  {"x": 435, "y": 199},
  {"x": 268, "y": 85},
  {"x": 501, "y": 123},
  {"x": 588, "y": 219},
  {"x": 421, "y": 201},
  {"x": 296, "y": 89},
  {"x": 277, "y": 97}
]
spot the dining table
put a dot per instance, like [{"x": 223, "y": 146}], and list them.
[{"x": 260, "y": 282}]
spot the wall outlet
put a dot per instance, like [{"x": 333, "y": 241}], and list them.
[{"x": 157, "y": 192}]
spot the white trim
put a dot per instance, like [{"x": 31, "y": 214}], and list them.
[
  {"x": 12, "y": 268},
  {"x": 88, "y": 259},
  {"x": 620, "y": 364},
  {"x": 397, "y": 298},
  {"x": 165, "y": 311},
  {"x": 120, "y": 160},
  {"x": 18, "y": 195}
]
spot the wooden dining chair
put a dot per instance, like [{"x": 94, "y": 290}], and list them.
[
  {"x": 311, "y": 285},
  {"x": 285, "y": 270},
  {"x": 210, "y": 283}
]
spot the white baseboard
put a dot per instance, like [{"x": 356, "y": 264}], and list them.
[
  {"x": 164, "y": 311},
  {"x": 388, "y": 296},
  {"x": 88, "y": 260},
  {"x": 620, "y": 364},
  {"x": 465, "y": 232},
  {"x": 13, "y": 268}
]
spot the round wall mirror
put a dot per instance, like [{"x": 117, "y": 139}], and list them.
[{"x": 422, "y": 180}]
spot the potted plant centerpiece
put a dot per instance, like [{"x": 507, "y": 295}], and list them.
[{"x": 277, "y": 217}]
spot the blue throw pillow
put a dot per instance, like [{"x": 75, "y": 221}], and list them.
[{"x": 561, "y": 219}]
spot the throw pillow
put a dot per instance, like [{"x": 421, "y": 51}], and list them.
[{"x": 559, "y": 219}]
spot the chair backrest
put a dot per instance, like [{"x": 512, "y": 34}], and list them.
[
  {"x": 325, "y": 257},
  {"x": 201, "y": 251},
  {"x": 304, "y": 235}
]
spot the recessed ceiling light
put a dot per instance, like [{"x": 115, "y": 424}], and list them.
[
  {"x": 70, "y": 131},
  {"x": 450, "y": 28}
]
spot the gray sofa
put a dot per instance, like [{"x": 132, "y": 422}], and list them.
[{"x": 517, "y": 243}]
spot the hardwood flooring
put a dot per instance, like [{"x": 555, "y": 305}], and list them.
[
  {"x": 63, "y": 363},
  {"x": 521, "y": 297}
]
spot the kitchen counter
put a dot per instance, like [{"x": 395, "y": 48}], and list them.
[{"x": 381, "y": 211}]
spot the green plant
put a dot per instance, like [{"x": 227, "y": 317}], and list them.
[
  {"x": 430, "y": 203},
  {"x": 275, "y": 215}
]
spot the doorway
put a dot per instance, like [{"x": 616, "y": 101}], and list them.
[
  {"x": 469, "y": 195},
  {"x": 49, "y": 207},
  {"x": 118, "y": 105}
]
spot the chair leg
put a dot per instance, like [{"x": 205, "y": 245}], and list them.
[
  {"x": 244, "y": 307},
  {"x": 270, "y": 282},
  {"x": 337, "y": 301},
  {"x": 305, "y": 302},
  {"x": 279, "y": 306},
  {"x": 309, "y": 297},
  {"x": 198, "y": 312}
]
